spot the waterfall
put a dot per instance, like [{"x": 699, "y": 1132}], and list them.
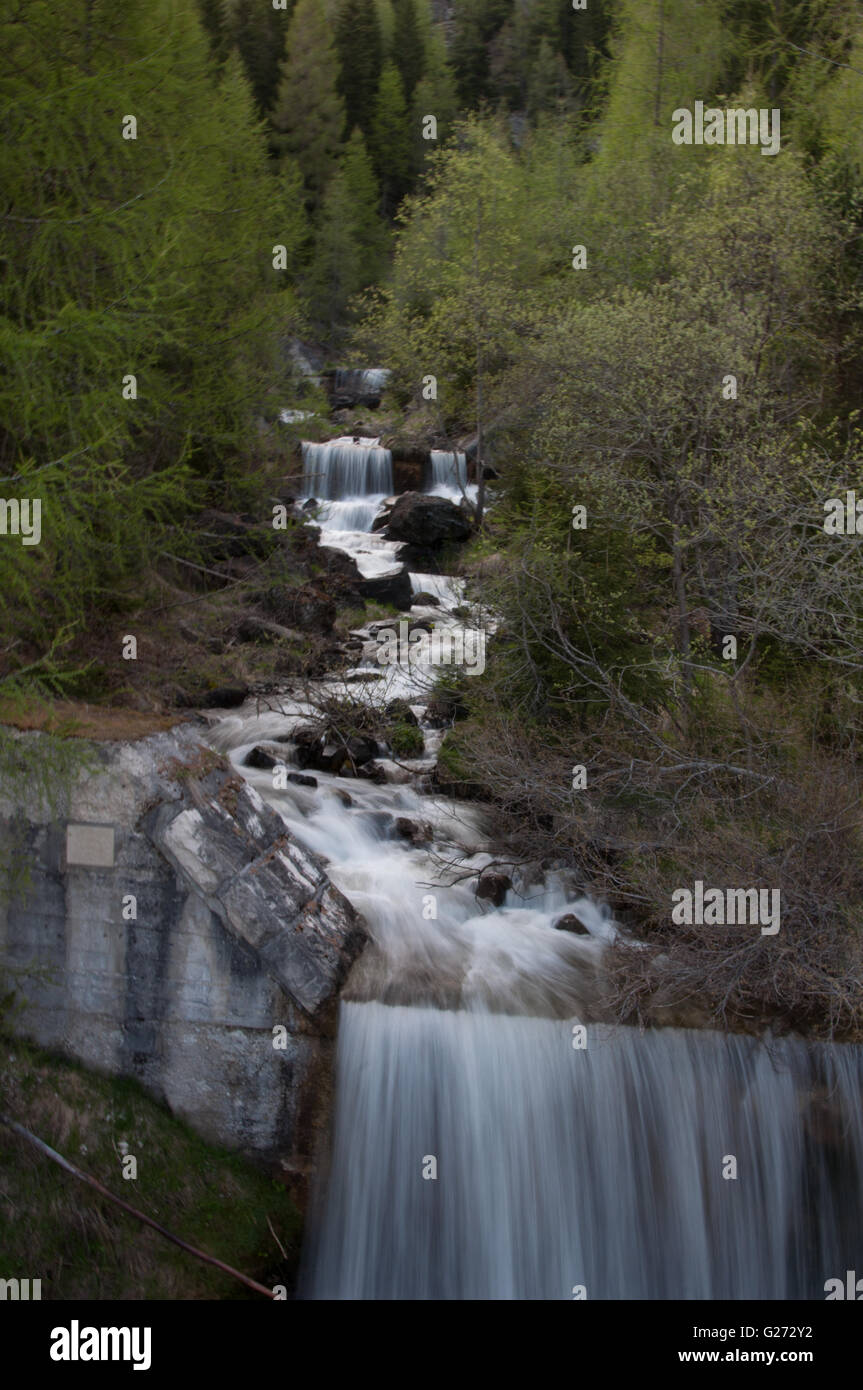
[
  {"x": 447, "y": 471},
  {"x": 493, "y": 1137},
  {"x": 353, "y": 514},
  {"x": 599, "y": 1167},
  {"x": 444, "y": 587},
  {"x": 362, "y": 380},
  {"x": 347, "y": 468},
  {"x": 359, "y": 385}
]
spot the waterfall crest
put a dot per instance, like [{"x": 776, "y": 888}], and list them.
[
  {"x": 447, "y": 471},
  {"x": 599, "y": 1167},
  {"x": 349, "y": 467}
]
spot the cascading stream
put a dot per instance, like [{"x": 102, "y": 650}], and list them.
[
  {"x": 350, "y": 467},
  {"x": 447, "y": 472},
  {"x": 559, "y": 1167}
]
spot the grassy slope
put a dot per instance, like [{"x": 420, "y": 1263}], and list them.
[{"x": 56, "y": 1228}]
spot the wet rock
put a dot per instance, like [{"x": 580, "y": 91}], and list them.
[
  {"x": 493, "y": 888},
  {"x": 394, "y": 588},
  {"x": 301, "y": 779},
  {"x": 444, "y": 707},
  {"x": 396, "y": 774},
  {"x": 408, "y": 473},
  {"x": 259, "y": 757},
  {"x": 569, "y": 922},
  {"x": 341, "y": 574},
  {"x": 372, "y": 772},
  {"x": 424, "y": 600},
  {"x": 442, "y": 784},
  {"x": 190, "y": 1013},
  {"x": 307, "y": 740},
  {"x": 401, "y": 712},
  {"x": 273, "y": 896},
  {"x": 423, "y": 520},
  {"x": 344, "y": 797},
  {"x": 362, "y": 750},
  {"x": 224, "y": 697},
  {"x": 331, "y": 757},
  {"x": 419, "y": 833}
]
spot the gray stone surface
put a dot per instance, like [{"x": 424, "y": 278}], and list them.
[
  {"x": 91, "y": 845},
  {"x": 235, "y": 930},
  {"x": 234, "y": 851}
]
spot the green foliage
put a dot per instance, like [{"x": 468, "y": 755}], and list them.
[
  {"x": 350, "y": 241},
  {"x": 309, "y": 114},
  {"x": 500, "y": 48},
  {"x": 86, "y": 1248},
  {"x": 408, "y": 50},
  {"x": 574, "y": 604},
  {"x": 257, "y": 33},
  {"x": 459, "y": 266},
  {"x": 360, "y": 49},
  {"x": 147, "y": 258},
  {"x": 434, "y": 95},
  {"x": 476, "y": 24},
  {"x": 549, "y": 86},
  {"x": 406, "y": 741},
  {"x": 390, "y": 139}
]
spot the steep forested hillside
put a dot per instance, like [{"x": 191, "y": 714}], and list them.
[{"x": 654, "y": 349}]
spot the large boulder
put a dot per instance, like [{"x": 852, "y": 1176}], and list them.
[
  {"x": 339, "y": 573},
  {"x": 393, "y": 587},
  {"x": 493, "y": 888},
  {"x": 272, "y": 895},
  {"x": 425, "y": 521}
]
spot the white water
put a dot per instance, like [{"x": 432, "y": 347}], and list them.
[
  {"x": 448, "y": 471},
  {"x": 448, "y": 590},
  {"x": 600, "y": 1168},
  {"x": 362, "y": 381},
  {"x": 557, "y": 1166},
  {"x": 349, "y": 467}
]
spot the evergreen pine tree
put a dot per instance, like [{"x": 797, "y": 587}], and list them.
[
  {"x": 364, "y": 191},
  {"x": 392, "y": 145},
  {"x": 360, "y": 51},
  {"x": 435, "y": 95},
  {"x": 139, "y": 304},
  {"x": 258, "y": 33},
  {"x": 476, "y": 24},
  {"x": 549, "y": 85},
  {"x": 309, "y": 113},
  {"x": 408, "y": 50},
  {"x": 350, "y": 240}
]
